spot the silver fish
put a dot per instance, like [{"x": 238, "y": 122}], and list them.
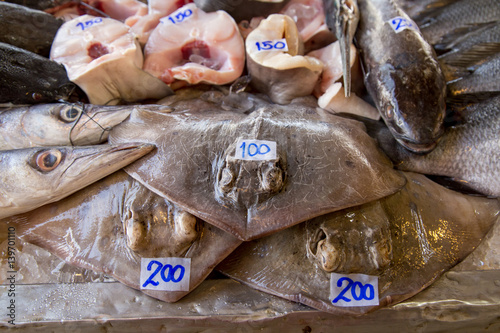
[
  {"x": 33, "y": 177},
  {"x": 405, "y": 241},
  {"x": 342, "y": 17},
  {"x": 116, "y": 222},
  {"x": 58, "y": 124},
  {"x": 417, "y": 8},
  {"x": 468, "y": 152}
]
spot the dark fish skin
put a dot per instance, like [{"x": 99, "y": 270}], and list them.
[
  {"x": 455, "y": 44},
  {"x": 40, "y": 5},
  {"x": 242, "y": 9},
  {"x": 468, "y": 152},
  {"x": 457, "y": 16},
  {"x": 28, "y": 78},
  {"x": 30, "y": 29},
  {"x": 402, "y": 76},
  {"x": 418, "y": 8}
]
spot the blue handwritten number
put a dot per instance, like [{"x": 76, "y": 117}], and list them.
[
  {"x": 89, "y": 23},
  {"x": 401, "y": 23},
  {"x": 171, "y": 273},
  {"x": 160, "y": 268},
  {"x": 150, "y": 278},
  {"x": 341, "y": 295},
  {"x": 181, "y": 16},
  {"x": 268, "y": 45},
  {"x": 352, "y": 285},
  {"x": 258, "y": 149}
]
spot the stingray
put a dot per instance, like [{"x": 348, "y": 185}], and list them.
[
  {"x": 406, "y": 240},
  {"x": 305, "y": 163},
  {"x": 111, "y": 225}
]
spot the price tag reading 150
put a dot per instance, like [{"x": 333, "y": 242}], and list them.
[
  {"x": 353, "y": 290},
  {"x": 255, "y": 150}
]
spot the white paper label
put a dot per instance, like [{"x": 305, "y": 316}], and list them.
[
  {"x": 168, "y": 274},
  {"x": 255, "y": 150},
  {"x": 268, "y": 45},
  {"x": 353, "y": 290},
  {"x": 401, "y": 23},
  {"x": 180, "y": 15}
]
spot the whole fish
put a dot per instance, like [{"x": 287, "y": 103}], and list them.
[
  {"x": 29, "y": 29},
  {"x": 61, "y": 124},
  {"x": 28, "y": 78},
  {"x": 33, "y": 177},
  {"x": 404, "y": 242},
  {"x": 242, "y": 9},
  {"x": 402, "y": 75},
  {"x": 461, "y": 15},
  {"x": 342, "y": 17},
  {"x": 468, "y": 152},
  {"x": 111, "y": 225},
  {"x": 252, "y": 175}
]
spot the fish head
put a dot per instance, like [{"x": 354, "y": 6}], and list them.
[
  {"x": 351, "y": 242},
  {"x": 150, "y": 222},
  {"x": 416, "y": 123},
  {"x": 243, "y": 184}
]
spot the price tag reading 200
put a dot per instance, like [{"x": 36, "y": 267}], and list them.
[
  {"x": 255, "y": 150},
  {"x": 353, "y": 290},
  {"x": 168, "y": 274}
]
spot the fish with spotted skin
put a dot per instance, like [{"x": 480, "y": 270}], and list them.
[
  {"x": 32, "y": 30},
  {"x": 28, "y": 78},
  {"x": 405, "y": 241},
  {"x": 402, "y": 75},
  {"x": 61, "y": 124},
  {"x": 114, "y": 223},
  {"x": 33, "y": 177}
]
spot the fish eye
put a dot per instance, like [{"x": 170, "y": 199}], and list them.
[
  {"x": 70, "y": 113},
  {"x": 272, "y": 179},
  {"x": 389, "y": 112},
  {"x": 48, "y": 160},
  {"x": 226, "y": 180}
]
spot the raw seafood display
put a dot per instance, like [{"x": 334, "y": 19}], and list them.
[
  {"x": 255, "y": 174},
  {"x": 114, "y": 223},
  {"x": 238, "y": 144},
  {"x": 394, "y": 240},
  {"x": 103, "y": 57}
]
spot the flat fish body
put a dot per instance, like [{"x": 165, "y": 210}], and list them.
[
  {"x": 28, "y": 78},
  {"x": 29, "y": 29},
  {"x": 402, "y": 74},
  {"x": 406, "y": 241},
  {"x": 468, "y": 152},
  {"x": 110, "y": 225},
  {"x": 244, "y": 10},
  {"x": 205, "y": 164},
  {"x": 39, "y": 4}
]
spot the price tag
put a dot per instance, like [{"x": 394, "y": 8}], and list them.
[
  {"x": 401, "y": 23},
  {"x": 168, "y": 274},
  {"x": 353, "y": 290},
  {"x": 278, "y": 45},
  {"x": 180, "y": 15},
  {"x": 87, "y": 24},
  {"x": 255, "y": 150}
]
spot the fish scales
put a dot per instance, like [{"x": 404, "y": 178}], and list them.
[
  {"x": 28, "y": 78},
  {"x": 468, "y": 152},
  {"x": 30, "y": 29},
  {"x": 459, "y": 15},
  {"x": 402, "y": 75}
]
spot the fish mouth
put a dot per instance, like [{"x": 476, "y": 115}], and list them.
[{"x": 416, "y": 147}]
